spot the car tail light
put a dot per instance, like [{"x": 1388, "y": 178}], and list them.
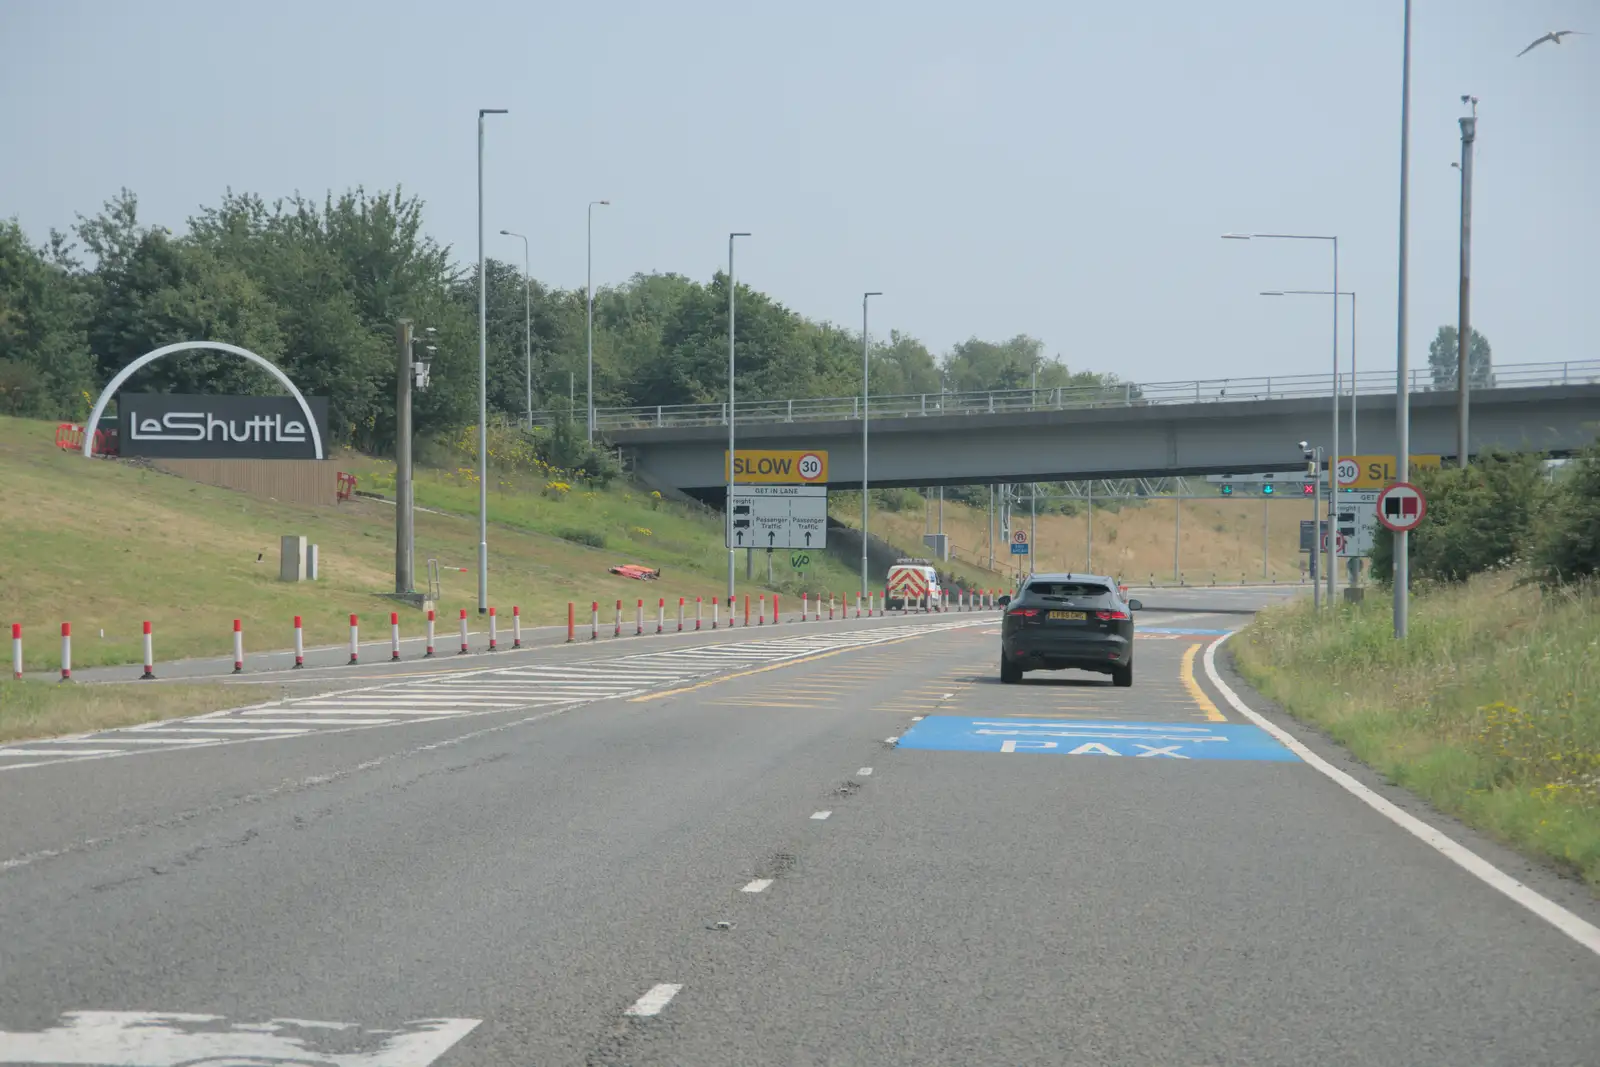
[
  {"x": 1026, "y": 613},
  {"x": 1111, "y": 616}
]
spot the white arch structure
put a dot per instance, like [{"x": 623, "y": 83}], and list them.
[{"x": 188, "y": 346}]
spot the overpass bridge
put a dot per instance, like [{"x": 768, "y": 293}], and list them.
[{"x": 1163, "y": 429}]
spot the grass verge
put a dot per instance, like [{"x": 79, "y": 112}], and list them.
[
  {"x": 1490, "y": 708},
  {"x": 30, "y": 709}
]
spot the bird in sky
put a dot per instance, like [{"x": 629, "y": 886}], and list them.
[{"x": 1554, "y": 37}]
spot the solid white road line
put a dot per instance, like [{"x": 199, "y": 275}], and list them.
[
  {"x": 757, "y": 886},
  {"x": 653, "y": 1001},
  {"x": 112, "y": 739},
  {"x": 820, "y": 815},
  {"x": 76, "y": 752},
  {"x": 1580, "y": 930}
]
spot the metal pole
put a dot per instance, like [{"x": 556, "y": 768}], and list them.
[
  {"x": 866, "y": 411},
  {"x": 588, "y": 305},
  {"x": 989, "y": 526},
  {"x": 1469, "y": 133},
  {"x": 728, "y": 509},
  {"x": 1333, "y": 457},
  {"x": 1316, "y": 528},
  {"x": 1354, "y": 451},
  {"x": 1265, "y": 519},
  {"x": 1088, "y": 557},
  {"x": 403, "y": 531},
  {"x": 1177, "y": 534},
  {"x": 483, "y": 388},
  {"x": 1402, "y": 407}
]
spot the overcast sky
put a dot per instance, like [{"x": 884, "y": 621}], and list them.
[{"x": 1050, "y": 167}]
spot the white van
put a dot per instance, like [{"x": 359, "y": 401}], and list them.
[{"x": 914, "y": 584}]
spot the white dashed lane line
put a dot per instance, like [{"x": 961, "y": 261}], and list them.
[
  {"x": 658, "y": 997},
  {"x": 472, "y": 692},
  {"x": 757, "y": 886}
]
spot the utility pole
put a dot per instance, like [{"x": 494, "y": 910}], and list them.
[
  {"x": 1469, "y": 134},
  {"x": 1402, "y": 390},
  {"x": 404, "y": 532}
]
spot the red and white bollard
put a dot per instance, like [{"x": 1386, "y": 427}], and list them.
[
  {"x": 761, "y": 610},
  {"x": 66, "y": 651},
  {"x": 429, "y": 653},
  {"x": 463, "y": 651},
  {"x": 149, "y": 655},
  {"x": 394, "y": 636},
  {"x": 494, "y": 645},
  {"x": 516, "y": 626},
  {"x": 299, "y": 645},
  {"x": 594, "y": 620},
  {"x": 16, "y": 650},
  {"x": 802, "y": 607},
  {"x": 355, "y": 639},
  {"x": 238, "y": 647},
  {"x": 697, "y": 613},
  {"x": 638, "y": 618},
  {"x": 572, "y": 622},
  {"x": 680, "y": 615},
  {"x": 777, "y": 615},
  {"x": 830, "y": 607},
  {"x": 661, "y": 614},
  {"x": 617, "y": 631},
  {"x": 858, "y": 605},
  {"x": 746, "y": 610},
  {"x": 715, "y": 604}
]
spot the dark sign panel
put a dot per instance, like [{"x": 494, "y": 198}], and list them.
[{"x": 177, "y": 426}]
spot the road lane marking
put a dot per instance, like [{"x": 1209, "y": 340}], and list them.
[
  {"x": 1223, "y": 741},
  {"x": 658, "y": 997},
  {"x": 820, "y": 815},
  {"x": 1198, "y": 695},
  {"x": 756, "y": 886},
  {"x": 864, "y": 772},
  {"x": 168, "y": 1039},
  {"x": 1580, "y": 930}
]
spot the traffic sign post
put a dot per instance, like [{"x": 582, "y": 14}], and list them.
[
  {"x": 1401, "y": 507},
  {"x": 1019, "y": 542}
]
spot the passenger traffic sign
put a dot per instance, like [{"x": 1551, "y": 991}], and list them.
[{"x": 1401, "y": 507}]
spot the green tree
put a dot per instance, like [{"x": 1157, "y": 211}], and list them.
[
  {"x": 1444, "y": 359},
  {"x": 45, "y": 366},
  {"x": 904, "y": 365},
  {"x": 1566, "y": 543}
]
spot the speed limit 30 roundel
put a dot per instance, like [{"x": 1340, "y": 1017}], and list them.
[
  {"x": 1401, "y": 507},
  {"x": 810, "y": 467}
]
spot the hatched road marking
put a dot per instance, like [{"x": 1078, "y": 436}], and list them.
[{"x": 471, "y": 692}]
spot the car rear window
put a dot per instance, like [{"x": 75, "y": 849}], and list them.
[{"x": 1070, "y": 590}]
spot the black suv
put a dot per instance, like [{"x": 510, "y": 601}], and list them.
[{"x": 1058, "y": 621}]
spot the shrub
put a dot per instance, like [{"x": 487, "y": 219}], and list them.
[
  {"x": 583, "y": 537},
  {"x": 1478, "y": 518},
  {"x": 1566, "y": 541}
]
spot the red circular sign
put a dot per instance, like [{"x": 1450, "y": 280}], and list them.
[{"x": 1401, "y": 507}]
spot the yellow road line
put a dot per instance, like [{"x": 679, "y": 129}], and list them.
[
  {"x": 759, "y": 704},
  {"x": 762, "y": 670},
  {"x": 1198, "y": 695}
]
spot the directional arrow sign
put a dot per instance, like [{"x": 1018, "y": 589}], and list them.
[{"x": 789, "y": 516}]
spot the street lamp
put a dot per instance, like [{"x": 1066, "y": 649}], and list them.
[
  {"x": 732, "y": 460},
  {"x": 866, "y": 419},
  {"x": 527, "y": 322},
  {"x": 589, "y": 319},
  {"x": 1402, "y": 394},
  {"x": 1333, "y": 452},
  {"x": 1351, "y": 294},
  {"x": 483, "y": 386}
]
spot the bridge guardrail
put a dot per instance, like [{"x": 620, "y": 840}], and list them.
[{"x": 1120, "y": 394}]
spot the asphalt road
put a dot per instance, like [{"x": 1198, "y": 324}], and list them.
[{"x": 867, "y": 854}]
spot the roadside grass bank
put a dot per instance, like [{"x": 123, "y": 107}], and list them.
[
  {"x": 31, "y": 709},
  {"x": 1490, "y": 709}
]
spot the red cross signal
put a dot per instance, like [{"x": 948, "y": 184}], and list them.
[
  {"x": 1401, "y": 507},
  {"x": 1308, "y": 489}
]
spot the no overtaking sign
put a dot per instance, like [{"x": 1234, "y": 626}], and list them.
[{"x": 1401, "y": 507}]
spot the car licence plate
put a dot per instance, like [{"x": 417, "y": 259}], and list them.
[{"x": 1079, "y": 616}]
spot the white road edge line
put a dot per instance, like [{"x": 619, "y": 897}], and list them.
[
  {"x": 1579, "y": 929},
  {"x": 652, "y": 1002},
  {"x": 820, "y": 815},
  {"x": 756, "y": 886}
]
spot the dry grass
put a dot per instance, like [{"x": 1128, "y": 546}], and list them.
[
  {"x": 30, "y": 709},
  {"x": 1490, "y": 708},
  {"x": 1221, "y": 539}
]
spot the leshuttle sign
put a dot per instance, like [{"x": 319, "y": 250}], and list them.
[{"x": 179, "y": 426}]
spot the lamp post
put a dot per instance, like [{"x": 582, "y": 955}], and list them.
[
  {"x": 588, "y": 306},
  {"x": 1333, "y": 451},
  {"x": 1354, "y": 450},
  {"x": 483, "y": 386},
  {"x": 1402, "y": 394},
  {"x": 866, "y": 419},
  {"x": 1469, "y": 134},
  {"x": 527, "y": 322},
  {"x": 732, "y": 455}
]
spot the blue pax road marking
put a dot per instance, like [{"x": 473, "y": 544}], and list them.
[
  {"x": 1180, "y": 630},
  {"x": 1068, "y": 737}
]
